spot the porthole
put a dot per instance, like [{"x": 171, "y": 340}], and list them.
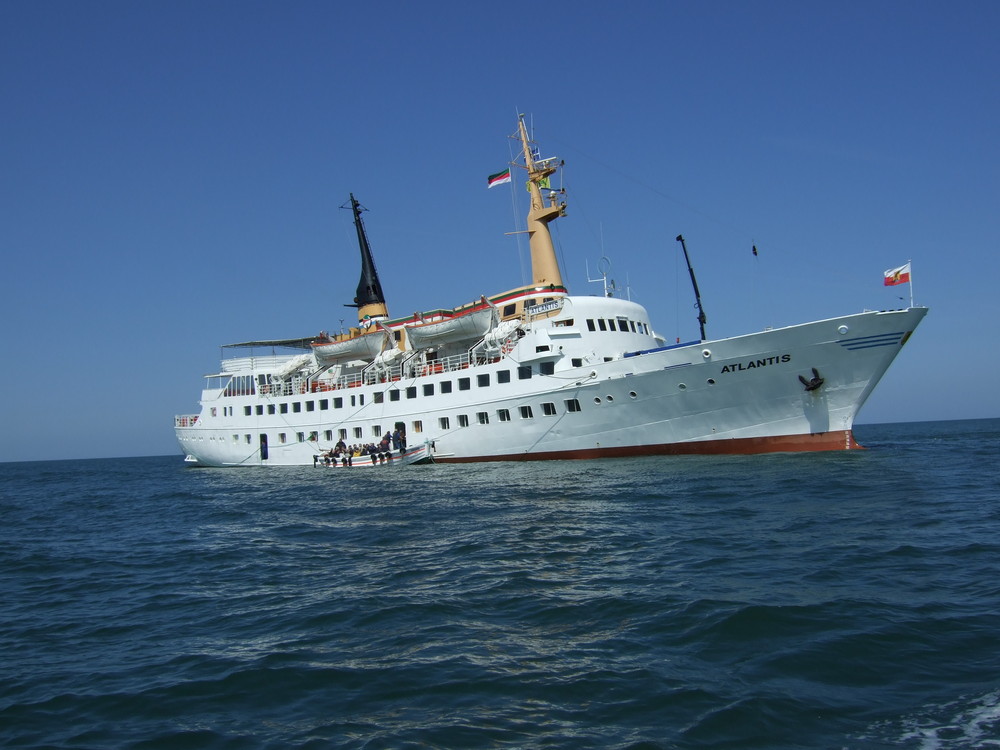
[
  {"x": 681, "y": 386},
  {"x": 632, "y": 394},
  {"x": 706, "y": 353},
  {"x": 842, "y": 330},
  {"x": 711, "y": 381},
  {"x": 597, "y": 399},
  {"x": 609, "y": 398}
]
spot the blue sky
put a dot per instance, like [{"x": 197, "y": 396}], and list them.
[{"x": 172, "y": 174}]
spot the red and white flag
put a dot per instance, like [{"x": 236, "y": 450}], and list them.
[
  {"x": 499, "y": 178},
  {"x": 899, "y": 275}
]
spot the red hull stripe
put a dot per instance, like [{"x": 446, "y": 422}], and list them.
[{"x": 823, "y": 441}]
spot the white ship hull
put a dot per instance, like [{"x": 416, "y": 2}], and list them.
[
  {"x": 736, "y": 395},
  {"x": 553, "y": 376}
]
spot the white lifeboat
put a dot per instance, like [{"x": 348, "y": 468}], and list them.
[
  {"x": 464, "y": 326},
  {"x": 364, "y": 346}
]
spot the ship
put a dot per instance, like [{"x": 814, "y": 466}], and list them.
[{"x": 538, "y": 373}]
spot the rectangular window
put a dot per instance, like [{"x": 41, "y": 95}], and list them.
[
  {"x": 328, "y": 435},
  {"x": 503, "y": 415},
  {"x": 464, "y": 384},
  {"x": 590, "y": 325},
  {"x": 394, "y": 395},
  {"x": 342, "y": 433},
  {"x": 338, "y": 403},
  {"x": 418, "y": 425},
  {"x": 483, "y": 380},
  {"x": 271, "y": 409},
  {"x": 549, "y": 409},
  {"x": 463, "y": 420},
  {"x": 601, "y": 324},
  {"x": 525, "y": 412},
  {"x": 300, "y": 436},
  {"x": 503, "y": 376},
  {"x": 282, "y": 438},
  {"x": 572, "y": 404},
  {"x": 577, "y": 362},
  {"x": 260, "y": 410},
  {"x": 310, "y": 406},
  {"x": 524, "y": 372},
  {"x": 358, "y": 434},
  {"x": 483, "y": 417},
  {"x": 236, "y": 438},
  {"x": 428, "y": 389},
  {"x": 379, "y": 398},
  {"x": 376, "y": 430},
  {"x": 297, "y": 407},
  {"x": 443, "y": 423},
  {"x": 313, "y": 436},
  {"x": 546, "y": 368},
  {"x": 508, "y": 310},
  {"x": 623, "y": 325},
  {"x": 247, "y": 411},
  {"x": 631, "y": 325},
  {"x": 411, "y": 391},
  {"x": 445, "y": 386},
  {"x": 324, "y": 404}
]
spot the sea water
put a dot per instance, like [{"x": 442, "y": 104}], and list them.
[{"x": 846, "y": 600}]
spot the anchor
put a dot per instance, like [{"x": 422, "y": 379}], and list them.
[{"x": 814, "y": 383}]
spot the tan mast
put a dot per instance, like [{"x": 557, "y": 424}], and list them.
[{"x": 544, "y": 266}]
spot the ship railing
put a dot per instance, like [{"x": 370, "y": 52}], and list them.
[
  {"x": 247, "y": 364},
  {"x": 351, "y": 380},
  {"x": 185, "y": 420}
]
